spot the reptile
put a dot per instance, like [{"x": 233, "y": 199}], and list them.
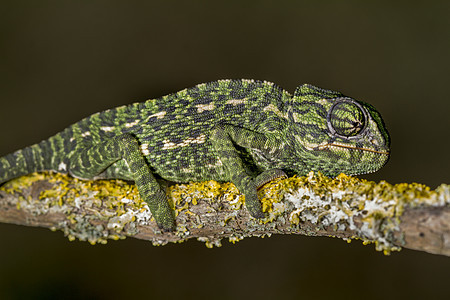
[{"x": 248, "y": 132}]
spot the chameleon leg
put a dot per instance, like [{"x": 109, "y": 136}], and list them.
[
  {"x": 93, "y": 160},
  {"x": 222, "y": 139}
]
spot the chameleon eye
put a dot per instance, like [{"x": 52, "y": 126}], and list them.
[{"x": 346, "y": 118}]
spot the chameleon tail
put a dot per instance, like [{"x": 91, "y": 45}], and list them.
[{"x": 21, "y": 162}]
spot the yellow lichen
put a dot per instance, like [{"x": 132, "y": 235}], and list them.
[{"x": 323, "y": 201}]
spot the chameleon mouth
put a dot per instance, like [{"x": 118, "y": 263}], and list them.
[{"x": 328, "y": 146}]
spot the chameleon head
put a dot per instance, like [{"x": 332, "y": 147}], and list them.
[{"x": 337, "y": 134}]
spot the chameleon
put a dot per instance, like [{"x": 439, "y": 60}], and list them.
[{"x": 248, "y": 132}]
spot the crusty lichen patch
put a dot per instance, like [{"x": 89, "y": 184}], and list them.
[
  {"x": 223, "y": 197},
  {"x": 342, "y": 201},
  {"x": 112, "y": 209},
  {"x": 83, "y": 203}
]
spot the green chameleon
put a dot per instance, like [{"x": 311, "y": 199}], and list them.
[{"x": 244, "y": 131}]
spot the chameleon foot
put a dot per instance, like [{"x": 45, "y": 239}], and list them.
[
  {"x": 161, "y": 211},
  {"x": 166, "y": 225},
  {"x": 253, "y": 204},
  {"x": 259, "y": 214},
  {"x": 165, "y": 229}
]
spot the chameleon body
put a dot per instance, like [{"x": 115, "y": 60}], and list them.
[{"x": 244, "y": 131}]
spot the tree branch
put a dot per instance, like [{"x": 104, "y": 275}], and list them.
[{"x": 391, "y": 216}]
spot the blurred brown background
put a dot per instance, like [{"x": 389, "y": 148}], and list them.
[{"x": 64, "y": 60}]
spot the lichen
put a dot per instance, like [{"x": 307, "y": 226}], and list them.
[
  {"x": 83, "y": 203},
  {"x": 371, "y": 210},
  {"x": 341, "y": 201}
]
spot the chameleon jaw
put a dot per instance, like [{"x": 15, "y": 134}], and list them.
[{"x": 338, "y": 145}]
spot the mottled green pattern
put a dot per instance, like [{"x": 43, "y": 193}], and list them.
[{"x": 244, "y": 131}]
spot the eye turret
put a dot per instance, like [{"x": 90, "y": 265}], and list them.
[{"x": 346, "y": 118}]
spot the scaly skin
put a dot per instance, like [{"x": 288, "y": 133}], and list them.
[{"x": 244, "y": 131}]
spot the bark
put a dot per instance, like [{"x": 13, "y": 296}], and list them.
[{"x": 391, "y": 216}]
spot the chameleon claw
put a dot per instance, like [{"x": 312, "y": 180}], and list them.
[{"x": 254, "y": 208}]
